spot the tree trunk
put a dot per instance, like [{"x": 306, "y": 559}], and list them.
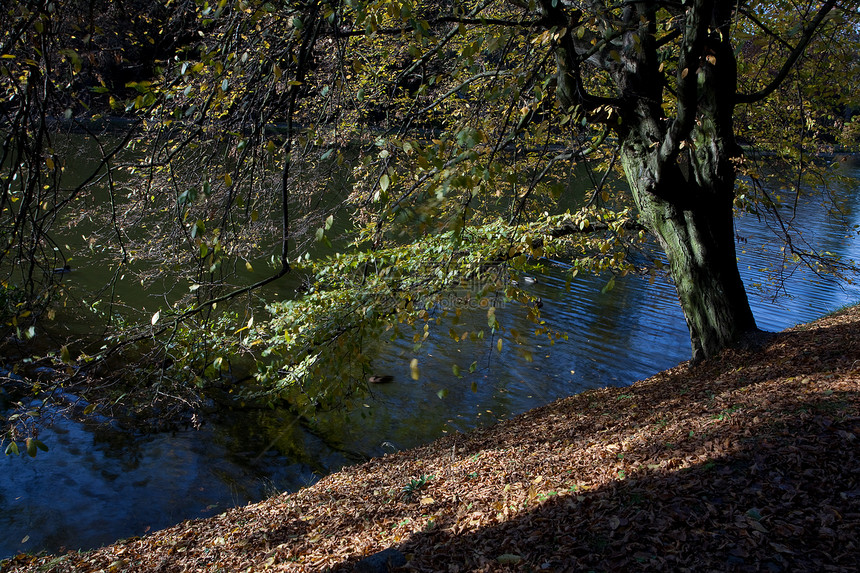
[
  {"x": 687, "y": 205},
  {"x": 677, "y": 145}
]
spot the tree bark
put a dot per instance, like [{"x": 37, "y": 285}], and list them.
[
  {"x": 688, "y": 207},
  {"x": 680, "y": 168}
]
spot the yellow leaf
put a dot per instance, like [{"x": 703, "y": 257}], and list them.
[{"x": 413, "y": 366}]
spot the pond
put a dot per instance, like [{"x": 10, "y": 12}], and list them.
[{"x": 96, "y": 485}]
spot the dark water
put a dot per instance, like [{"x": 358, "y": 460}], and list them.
[{"x": 95, "y": 485}]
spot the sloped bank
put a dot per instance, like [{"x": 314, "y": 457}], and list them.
[{"x": 746, "y": 462}]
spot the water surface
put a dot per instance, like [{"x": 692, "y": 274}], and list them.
[{"x": 96, "y": 485}]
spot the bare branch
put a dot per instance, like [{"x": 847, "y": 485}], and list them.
[{"x": 808, "y": 34}]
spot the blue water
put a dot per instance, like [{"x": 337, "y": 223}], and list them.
[{"x": 96, "y": 485}]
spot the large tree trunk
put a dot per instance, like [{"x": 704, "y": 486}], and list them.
[
  {"x": 687, "y": 205},
  {"x": 677, "y": 144}
]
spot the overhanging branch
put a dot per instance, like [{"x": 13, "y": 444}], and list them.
[
  {"x": 808, "y": 34},
  {"x": 571, "y": 229}
]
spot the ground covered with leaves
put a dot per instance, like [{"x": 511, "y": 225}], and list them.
[{"x": 747, "y": 462}]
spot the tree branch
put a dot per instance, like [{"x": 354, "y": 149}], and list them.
[
  {"x": 808, "y": 34},
  {"x": 569, "y": 59},
  {"x": 768, "y": 32},
  {"x": 695, "y": 34},
  {"x": 571, "y": 229},
  {"x": 444, "y": 20}
]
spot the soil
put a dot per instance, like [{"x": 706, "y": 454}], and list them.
[{"x": 746, "y": 462}]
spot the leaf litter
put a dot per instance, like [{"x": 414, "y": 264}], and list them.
[{"x": 746, "y": 462}]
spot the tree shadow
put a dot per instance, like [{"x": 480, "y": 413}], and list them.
[
  {"x": 774, "y": 506},
  {"x": 767, "y": 480}
]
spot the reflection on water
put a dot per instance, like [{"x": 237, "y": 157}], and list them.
[{"x": 94, "y": 487}]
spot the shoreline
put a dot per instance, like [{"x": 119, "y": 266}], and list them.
[{"x": 748, "y": 461}]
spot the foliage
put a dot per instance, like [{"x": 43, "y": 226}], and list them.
[
  {"x": 415, "y": 485},
  {"x": 405, "y": 291},
  {"x": 391, "y": 153}
]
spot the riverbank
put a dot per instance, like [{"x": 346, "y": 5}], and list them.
[{"x": 745, "y": 462}]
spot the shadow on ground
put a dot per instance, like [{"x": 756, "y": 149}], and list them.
[{"x": 765, "y": 479}]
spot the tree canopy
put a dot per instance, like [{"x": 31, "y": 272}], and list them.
[{"x": 450, "y": 140}]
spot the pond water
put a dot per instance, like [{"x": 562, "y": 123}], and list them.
[{"x": 96, "y": 485}]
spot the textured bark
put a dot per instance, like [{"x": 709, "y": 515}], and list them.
[
  {"x": 691, "y": 216},
  {"x": 680, "y": 168},
  {"x": 682, "y": 175}
]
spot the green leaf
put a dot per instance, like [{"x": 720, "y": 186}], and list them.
[
  {"x": 442, "y": 393},
  {"x": 90, "y": 409},
  {"x": 609, "y": 286},
  {"x": 12, "y": 448},
  {"x": 32, "y": 447},
  {"x": 198, "y": 228}
]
